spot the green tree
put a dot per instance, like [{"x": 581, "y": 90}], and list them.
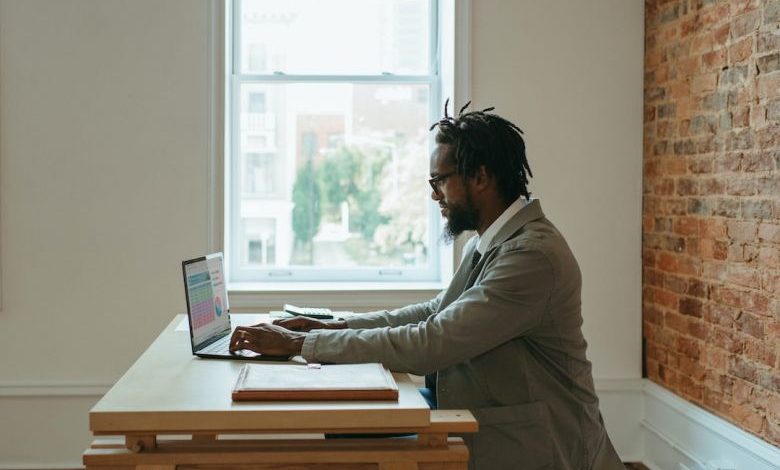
[
  {"x": 306, "y": 208},
  {"x": 351, "y": 175},
  {"x": 337, "y": 177}
]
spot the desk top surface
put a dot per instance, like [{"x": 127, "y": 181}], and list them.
[{"x": 168, "y": 390}]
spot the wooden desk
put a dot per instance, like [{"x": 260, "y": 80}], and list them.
[{"x": 174, "y": 410}]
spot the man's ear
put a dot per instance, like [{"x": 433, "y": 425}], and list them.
[{"x": 482, "y": 179}]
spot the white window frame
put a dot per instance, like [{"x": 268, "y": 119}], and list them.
[{"x": 453, "y": 18}]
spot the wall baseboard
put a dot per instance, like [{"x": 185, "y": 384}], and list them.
[
  {"x": 620, "y": 401},
  {"x": 646, "y": 423},
  {"x": 680, "y": 435},
  {"x": 26, "y": 466},
  {"x": 50, "y": 389}
]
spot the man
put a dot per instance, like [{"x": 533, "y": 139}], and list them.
[{"x": 504, "y": 339}]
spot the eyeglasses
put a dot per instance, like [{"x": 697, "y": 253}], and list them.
[{"x": 437, "y": 180}]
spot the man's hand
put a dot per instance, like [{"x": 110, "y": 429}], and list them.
[
  {"x": 308, "y": 324},
  {"x": 267, "y": 339}
]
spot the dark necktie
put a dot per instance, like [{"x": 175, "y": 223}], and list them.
[{"x": 475, "y": 259}]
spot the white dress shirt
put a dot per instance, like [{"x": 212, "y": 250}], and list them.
[{"x": 486, "y": 239}]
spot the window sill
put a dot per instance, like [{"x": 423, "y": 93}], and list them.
[{"x": 355, "y": 296}]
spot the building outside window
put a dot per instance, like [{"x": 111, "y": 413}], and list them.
[{"x": 330, "y": 141}]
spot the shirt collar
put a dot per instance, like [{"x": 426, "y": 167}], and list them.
[{"x": 486, "y": 239}]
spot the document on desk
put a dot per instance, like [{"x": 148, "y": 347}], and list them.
[{"x": 315, "y": 382}]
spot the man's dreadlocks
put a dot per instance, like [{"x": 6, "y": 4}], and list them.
[{"x": 478, "y": 139}]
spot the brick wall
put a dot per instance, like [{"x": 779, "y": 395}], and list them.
[{"x": 711, "y": 217}]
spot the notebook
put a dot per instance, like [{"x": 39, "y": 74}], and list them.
[
  {"x": 315, "y": 382},
  {"x": 208, "y": 310}
]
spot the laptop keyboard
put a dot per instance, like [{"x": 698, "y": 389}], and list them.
[{"x": 221, "y": 347}]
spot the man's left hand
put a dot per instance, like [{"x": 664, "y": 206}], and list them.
[{"x": 267, "y": 339}]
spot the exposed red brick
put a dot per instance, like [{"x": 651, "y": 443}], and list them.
[
  {"x": 741, "y": 117},
  {"x": 686, "y": 226},
  {"x": 741, "y": 187},
  {"x": 743, "y": 275},
  {"x": 697, "y": 288},
  {"x": 676, "y": 322},
  {"x": 715, "y": 402},
  {"x": 655, "y": 352},
  {"x": 768, "y": 41},
  {"x": 748, "y": 417},
  {"x": 741, "y": 252},
  {"x": 727, "y": 340},
  {"x": 698, "y": 328},
  {"x": 714, "y": 60},
  {"x": 750, "y": 324},
  {"x": 758, "y": 161},
  {"x": 760, "y": 353},
  {"x": 689, "y": 388},
  {"x": 741, "y": 50},
  {"x": 770, "y": 282},
  {"x": 745, "y": 24},
  {"x": 742, "y": 392},
  {"x": 667, "y": 262},
  {"x": 713, "y": 270},
  {"x": 690, "y": 306},
  {"x": 711, "y": 212},
  {"x": 731, "y": 161},
  {"x": 743, "y": 369},
  {"x": 769, "y": 379},
  {"x": 675, "y": 284},
  {"x": 768, "y": 138},
  {"x": 721, "y": 315},
  {"x": 664, "y": 187},
  {"x": 769, "y": 257},
  {"x": 716, "y": 358},
  {"x": 700, "y": 165},
  {"x": 653, "y": 314},
  {"x": 712, "y": 228},
  {"x": 767, "y": 86},
  {"x": 739, "y": 7},
  {"x": 742, "y": 230},
  {"x": 664, "y": 298}
]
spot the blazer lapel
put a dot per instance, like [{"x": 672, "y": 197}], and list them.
[
  {"x": 461, "y": 277},
  {"x": 532, "y": 211},
  {"x": 465, "y": 276}
]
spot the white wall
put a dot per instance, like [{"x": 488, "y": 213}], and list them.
[
  {"x": 104, "y": 152},
  {"x": 570, "y": 74},
  {"x": 103, "y": 161}
]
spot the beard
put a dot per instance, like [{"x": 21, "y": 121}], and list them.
[{"x": 461, "y": 217}]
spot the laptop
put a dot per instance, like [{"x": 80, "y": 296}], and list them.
[{"x": 208, "y": 310}]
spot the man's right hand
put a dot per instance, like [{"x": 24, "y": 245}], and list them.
[{"x": 308, "y": 324}]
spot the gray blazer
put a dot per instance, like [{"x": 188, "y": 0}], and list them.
[{"x": 505, "y": 342}]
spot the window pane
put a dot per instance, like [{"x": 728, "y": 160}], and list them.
[
  {"x": 335, "y": 37},
  {"x": 259, "y": 246},
  {"x": 334, "y": 175}
]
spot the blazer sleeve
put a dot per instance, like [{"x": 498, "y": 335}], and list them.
[
  {"x": 510, "y": 300},
  {"x": 410, "y": 314}
]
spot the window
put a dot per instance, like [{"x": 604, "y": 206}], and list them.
[
  {"x": 260, "y": 242},
  {"x": 256, "y": 103},
  {"x": 259, "y": 174},
  {"x": 329, "y": 137}
]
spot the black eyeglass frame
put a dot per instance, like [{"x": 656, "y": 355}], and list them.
[{"x": 439, "y": 179}]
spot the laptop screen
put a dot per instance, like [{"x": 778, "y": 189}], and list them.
[{"x": 207, "y": 303}]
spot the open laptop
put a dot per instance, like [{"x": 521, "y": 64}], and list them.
[{"x": 207, "y": 310}]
